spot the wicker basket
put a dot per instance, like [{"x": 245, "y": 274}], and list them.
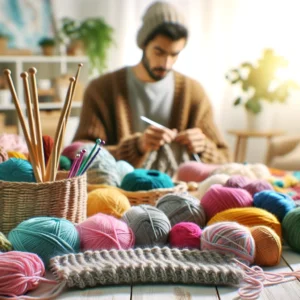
[
  {"x": 144, "y": 197},
  {"x": 63, "y": 198}
]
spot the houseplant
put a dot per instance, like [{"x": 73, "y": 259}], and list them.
[
  {"x": 259, "y": 82},
  {"x": 47, "y": 45},
  {"x": 95, "y": 35}
]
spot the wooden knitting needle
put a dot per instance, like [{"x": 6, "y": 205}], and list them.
[
  {"x": 37, "y": 174},
  {"x": 24, "y": 76},
  {"x": 32, "y": 72}
]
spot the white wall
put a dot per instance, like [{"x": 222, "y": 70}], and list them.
[{"x": 223, "y": 33}]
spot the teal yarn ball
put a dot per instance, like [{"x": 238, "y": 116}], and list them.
[
  {"x": 16, "y": 170},
  {"x": 276, "y": 203},
  {"x": 64, "y": 163},
  {"x": 46, "y": 237},
  {"x": 145, "y": 180},
  {"x": 150, "y": 225},
  {"x": 290, "y": 229},
  {"x": 182, "y": 207},
  {"x": 123, "y": 168}
]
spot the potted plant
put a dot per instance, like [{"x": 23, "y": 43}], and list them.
[
  {"x": 47, "y": 45},
  {"x": 260, "y": 81},
  {"x": 93, "y": 34}
]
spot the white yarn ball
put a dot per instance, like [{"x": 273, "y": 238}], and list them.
[
  {"x": 235, "y": 169},
  {"x": 208, "y": 182},
  {"x": 261, "y": 171}
]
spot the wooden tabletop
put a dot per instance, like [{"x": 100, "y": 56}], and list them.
[{"x": 285, "y": 291}]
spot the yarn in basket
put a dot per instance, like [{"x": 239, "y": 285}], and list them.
[
  {"x": 5, "y": 244},
  {"x": 71, "y": 150},
  {"x": 15, "y": 154},
  {"x": 144, "y": 180},
  {"x": 104, "y": 232},
  {"x": 16, "y": 170},
  {"x": 229, "y": 237},
  {"x": 64, "y": 163},
  {"x": 182, "y": 207},
  {"x": 268, "y": 246},
  {"x": 109, "y": 201},
  {"x": 123, "y": 168},
  {"x": 149, "y": 224},
  {"x": 3, "y": 155},
  {"x": 48, "y": 143},
  {"x": 45, "y": 236},
  {"x": 185, "y": 235}
]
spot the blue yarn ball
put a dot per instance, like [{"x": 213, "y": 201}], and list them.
[
  {"x": 144, "y": 180},
  {"x": 17, "y": 170},
  {"x": 123, "y": 168},
  {"x": 46, "y": 237},
  {"x": 276, "y": 203}
]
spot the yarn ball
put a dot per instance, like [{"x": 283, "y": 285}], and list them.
[
  {"x": 208, "y": 182},
  {"x": 3, "y": 155},
  {"x": 13, "y": 142},
  {"x": 219, "y": 198},
  {"x": 235, "y": 169},
  {"x": 17, "y": 170},
  {"x": 194, "y": 171},
  {"x": 276, "y": 203},
  {"x": 237, "y": 181},
  {"x": 5, "y": 244},
  {"x": 182, "y": 207},
  {"x": 257, "y": 186},
  {"x": 260, "y": 171},
  {"x": 290, "y": 229},
  {"x": 144, "y": 180},
  {"x": 248, "y": 216},
  {"x": 268, "y": 246},
  {"x": 48, "y": 143},
  {"x": 103, "y": 232},
  {"x": 229, "y": 237},
  {"x": 71, "y": 150},
  {"x": 103, "y": 169},
  {"x": 45, "y": 236},
  {"x": 64, "y": 163},
  {"x": 185, "y": 235},
  {"x": 123, "y": 168},
  {"x": 149, "y": 224},
  {"x": 15, "y": 154},
  {"x": 20, "y": 272},
  {"x": 109, "y": 201}
]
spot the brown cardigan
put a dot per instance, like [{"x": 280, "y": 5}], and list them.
[{"x": 106, "y": 114}]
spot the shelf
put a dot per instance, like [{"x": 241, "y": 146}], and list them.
[
  {"x": 43, "y": 106},
  {"x": 43, "y": 59}
]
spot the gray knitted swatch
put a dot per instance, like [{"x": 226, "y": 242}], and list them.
[{"x": 150, "y": 265}]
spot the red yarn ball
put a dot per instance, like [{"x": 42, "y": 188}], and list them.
[
  {"x": 219, "y": 198},
  {"x": 195, "y": 171},
  {"x": 47, "y": 146},
  {"x": 185, "y": 235},
  {"x": 71, "y": 150}
]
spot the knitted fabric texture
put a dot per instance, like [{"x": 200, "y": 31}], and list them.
[
  {"x": 149, "y": 265},
  {"x": 156, "y": 15}
]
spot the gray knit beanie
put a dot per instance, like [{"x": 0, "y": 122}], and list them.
[{"x": 157, "y": 14}]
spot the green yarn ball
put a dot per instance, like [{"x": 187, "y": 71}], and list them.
[
  {"x": 144, "y": 180},
  {"x": 5, "y": 244},
  {"x": 16, "y": 170},
  {"x": 290, "y": 229},
  {"x": 46, "y": 237},
  {"x": 64, "y": 163}
]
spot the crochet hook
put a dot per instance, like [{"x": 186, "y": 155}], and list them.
[{"x": 151, "y": 122}]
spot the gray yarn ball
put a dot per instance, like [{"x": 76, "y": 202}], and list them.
[
  {"x": 182, "y": 207},
  {"x": 103, "y": 169},
  {"x": 149, "y": 224}
]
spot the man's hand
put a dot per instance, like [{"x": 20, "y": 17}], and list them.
[
  {"x": 153, "y": 138},
  {"x": 193, "y": 139}
]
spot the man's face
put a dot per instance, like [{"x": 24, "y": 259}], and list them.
[{"x": 160, "y": 54}]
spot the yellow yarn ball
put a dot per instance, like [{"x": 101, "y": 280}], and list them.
[
  {"x": 15, "y": 154},
  {"x": 248, "y": 216},
  {"x": 268, "y": 246},
  {"x": 108, "y": 201}
]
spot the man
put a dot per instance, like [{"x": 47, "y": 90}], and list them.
[{"x": 113, "y": 103}]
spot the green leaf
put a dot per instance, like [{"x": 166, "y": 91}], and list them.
[
  {"x": 253, "y": 104},
  {"x": 237, "y": 101}
]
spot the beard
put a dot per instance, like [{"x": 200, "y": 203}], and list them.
[{"x": 152, "y": 71}]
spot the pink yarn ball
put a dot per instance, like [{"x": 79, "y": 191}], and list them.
[
  {"x": 229, "y": 237},
  {"x": 257, "y": 186},
  {"x": 71, "y": 150},
  {"x": 3, "y": 155},
  {"x": 104, "y": 232},
  {"x": 219, "y": 198},
  {"x": 237, "y": 181},
  {"x": 185, "y": 235},
  {"x": 195, "y": 171}
]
